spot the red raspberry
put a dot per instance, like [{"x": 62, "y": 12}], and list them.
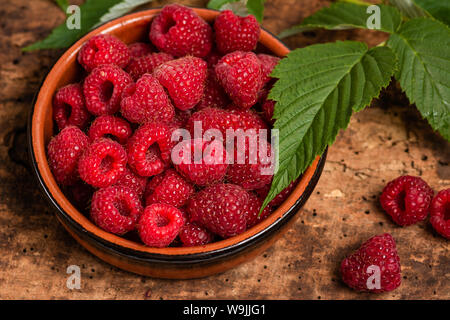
[
  {"x": 149, "y": 149},
  {"x": 103, "y": 89},
  {"x": 171, "y": 189},
  {"x": 139, "y": 49},
  {"x": 184, "y": 79},
  {"x": 249, "y": 169},
  {"x": 212, "y": 58},
  {"x": 110, "y": 127},
  {"x": 160, "y": 224},
  {"x": 221, "y": 208},
  {"x": 279, "y": 198},
  {"x": 116, "y": 209},
  {"x": 254, "y": 205},
  {"x": 377, "y": 253},
  {"x": 69, "y": 108},
  {"x": 267, "y": 107},
  {"x": 103, "y": 49},
  {"x": 440, "y": 213},
  {"x": 146, "y": 64},
  {"x": 81, "y": 194},
  {"x": 103, "y": 163},
  {"x": 133, "y": 181},
  {"x": 268, "y": 63},
  {"x": 235, "y": 33},
  {"x": 178, "y": 30},
  {"x": 146, "y": 101},
  {"x": 64, "y": 151},
  {"x": 407, "y": 200},
  {"x": 240, "y": 74},
  {"x": 246, "y": 119},
  {"x": 214, "y": 96},
  {"x": 201, "y": 162},
  {"x": 192, "y": 235}
]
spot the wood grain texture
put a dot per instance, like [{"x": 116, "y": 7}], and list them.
[{"x": 382, "y": 142}]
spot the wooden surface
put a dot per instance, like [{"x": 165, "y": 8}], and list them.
[{"x": 382, "y": 142}]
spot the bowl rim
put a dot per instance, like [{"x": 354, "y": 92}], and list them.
[{"x": 120, "y": 245}]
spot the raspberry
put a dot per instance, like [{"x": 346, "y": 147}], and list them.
[
  {"x": 116, "y": 209},
  {"x": 64, "y": 151},
  {"x": 133, "y": 181},
  {"x": 267, "y": 110},
  {"x": 110, "y": 127},
  {"x": 279, "y": 198},
  {"x": 214, "y": 96},
  {"x": 146, "y": 64},
  {"x": 69, "y": 108},
  {"x": 160, "y": 224},
  {"x": 246, "y": 119},
  {"x": 440, "y": 213},
  {"x": 407, "y": 200},
  {"x": 201, "y": 162},
  {"x": 221, "y": 208},
  {"x": 254, "y": 205},
  {"x": 377, "y": 253},
  {"x": 234, "y": 33},
  {"x": 103, "y": 89},
  {"x": 268, "y": 63},
  {"x": 139, "y": 49},
  {"x": 146, "y": 101},
  {"x": 149, "y": 149},
  {"x": 240, "y": 75},
  {"x": 192, "y": 235},
  {"x": 103, "y": 163},
  {"x": 103, "y": 49},
  {"x": 170, "y": 189},
  {"x": 178, "y": 30},
  {"x": 81, "y": 194},
  {"x": 212, "y": 58},
  {"x": 184, "y": 79},
  {"x": 250, "y": 170}
]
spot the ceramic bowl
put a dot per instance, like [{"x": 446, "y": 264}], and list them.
[{"x": 172, "y": 262}]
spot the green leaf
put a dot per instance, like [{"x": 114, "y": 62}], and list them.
[
  {"x": 63, "y": 4},
  {"x": 218, "y": 4},
  {"x": 256, "y": 8},
  {"x": 240, "y": 7},
  {"x": 345, "y": 15},
  {"x": 93, "y": 13},
  {"x": 439, "y": 9},
  {"x": 408, "y": 8},
  {"x": 318, "y": 88},
  {"x": 422, "y": 46}
]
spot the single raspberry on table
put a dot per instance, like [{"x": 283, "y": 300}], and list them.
[
  {"x": 133, "y": 181},
  {"x": 192, "y": 235},
  {"x": 146, "y": 101},
  {"x": 440, "y": 213},
  {"x": 103, "y": 88},
  {"x": 253, "y": 215},
  {"x": 110, "y": 127},
  {"x": 214, "y": 96},
  {"x": 268, "y": 63},
  {"x": 253, "y": 165},
  {"x": 170, "y": 189},
  {"x": 116, "y": 209},
  {"x": 103, "y": 163},
  {"x": 376, "y": 257},
  {"x": 149, "y": 149},
  {"x": 407, "y": 200},
  {"x": 103, "y": 49},
  {"x": 69, "y": 108},
  {"x": 240, "y": 74},
  {"x": 178, "y": 30},
  {"x": 234, "y": 33},
  {"x": 146, "y": 64},
  {"x": 201, "y": 162},
  {"x": 139, "y": 49},
  {"x": 220, "y": 208},
  {"x": 160, "y": 224},
  {"x": 184, "y": 79},
  {"x": 64, "y": 151}
]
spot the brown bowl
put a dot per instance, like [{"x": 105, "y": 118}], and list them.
[{"x": 173, "y": 262}]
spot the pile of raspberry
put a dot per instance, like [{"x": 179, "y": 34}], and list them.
[{"x": 113, "y": 152}]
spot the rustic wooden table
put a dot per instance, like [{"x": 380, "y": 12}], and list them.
[{"x": 382, "y": 142}]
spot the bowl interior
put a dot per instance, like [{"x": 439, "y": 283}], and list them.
[{"x": 131, "y": 28}]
